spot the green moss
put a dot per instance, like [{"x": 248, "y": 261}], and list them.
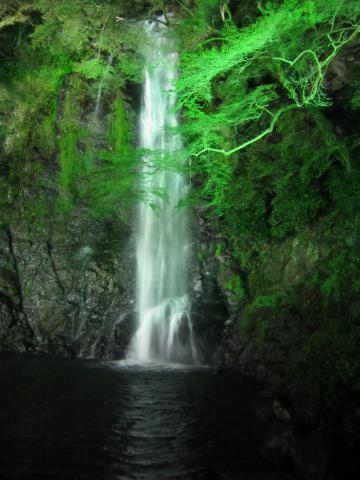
[
  {"x": 110, "y": 183},
  {"x": 355, "y": 101},
  {"x": 41, "y": 48},
  {"x": 272, "y": 301},
  {"x": 332, "y": 366},
  {"x": 219, "y": 249},
  {"x": 259, "y": 315},
  {"x": 34, "y": 90},
  {"x": 235, "y": 285},
  {"x": 47, "y": 133},
  {"x": 71, "y": 159},
  {"x": 30, "y": 106},
  {"x": 331, "y": 284},
  {"x": 118, "y": 129}
]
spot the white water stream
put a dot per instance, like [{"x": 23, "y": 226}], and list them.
[{"x": 163, "y": 242}]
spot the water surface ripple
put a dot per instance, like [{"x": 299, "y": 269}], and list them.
[{"x": 72, "y": 419}]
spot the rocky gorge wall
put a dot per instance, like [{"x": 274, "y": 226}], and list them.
[
  {"x": 66, "y": 294},
  {"x": 71, "y": 184},
  {"x": 67, "y": 281},
  {"x": 276, "y": 227}
]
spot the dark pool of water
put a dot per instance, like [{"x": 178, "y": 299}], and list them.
[{"x": 72, "y": 419}]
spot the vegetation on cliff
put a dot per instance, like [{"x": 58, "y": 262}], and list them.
[
  {"x": 269, "y": 92},
  {"x": 54, "y": 57}
]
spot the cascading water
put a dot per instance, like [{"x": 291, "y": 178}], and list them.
[{"x": 164, "y": 331}]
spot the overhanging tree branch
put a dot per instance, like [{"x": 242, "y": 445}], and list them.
[
  {"x": 311, "y": 84},
  {"x": 275, "y": 118},
  {"x": 307, "y": 90}
]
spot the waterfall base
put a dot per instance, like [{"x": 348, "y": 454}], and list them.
[{"x": 165, "y": 334}]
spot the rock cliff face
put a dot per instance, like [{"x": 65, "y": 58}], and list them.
[
  {"x": 69, "y": 289},
  {"x": 210, "y": 309},
  {"x": 67, "y": 279},
  {"x": 70, "y": 292}
]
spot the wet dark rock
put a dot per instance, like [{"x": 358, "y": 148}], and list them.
[
  {"x": 280, "y": 412},
  {"x": 277, "y": 448},
  {"x": 311, "y": 456},
  {"x": 122, "y": 332},
  {"x": 67, "y": 290},
  {"x": 342, "y": 69},
  {"x": 274, "y": 476},
  {"x": 210, "y": 474},
  {"x": 184, "y": 332},
  {"x": 209, "y": 307}
]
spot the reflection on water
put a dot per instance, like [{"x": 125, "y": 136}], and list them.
[{"x": 71, "y": 419}]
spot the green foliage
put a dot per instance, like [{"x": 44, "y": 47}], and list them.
[
  {"x": 238, "y": 90},
  {"x": 83, "y": 30},
  {"x": 93, "y": 68},
  {"x": 261, "y": 150},
  {"x": 344, "y": 191},
  {"x": 331, "y": 284},
  {"x": 203, "y": 22},
  {"x": 56, "y": 53},
  {"x": 274, "y": 36},
  {"x": 339, "y": 281}
]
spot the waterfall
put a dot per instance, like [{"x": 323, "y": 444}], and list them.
[{"x": 163, "y": 241}]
